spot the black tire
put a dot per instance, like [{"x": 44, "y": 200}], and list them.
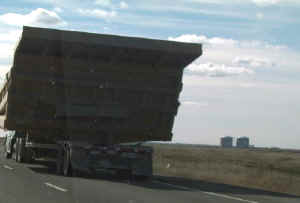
[
  {"x": 28, "y": 156},
  {"x": 15, "y": 150},
  {"x": 21, "y": 150},
  {"x": 23, "y": 155},
  {"x": 67, "y": 168},
  {"x": 13, "y": 154},
  {"x": 6, "y": 154},
  {"x": 59, "y": 162}
]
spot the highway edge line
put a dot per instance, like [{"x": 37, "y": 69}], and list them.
[{"x": 208, "y": 193}]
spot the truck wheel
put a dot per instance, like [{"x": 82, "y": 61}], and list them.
[
  {"x": 15, "y": 150},
  {"x": 21, "y": 150},
  {"x": 59, "y": 162},
  {"x": 28, "y": 158},
  {"x": 67, "y": 168},
  {"x": 6, "y": 154}
]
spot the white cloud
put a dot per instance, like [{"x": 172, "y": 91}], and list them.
[
  {"x": 254, "y": 62},
  {"x": 194, "y": 103},
  {"x": 98, "y": 13},
  {"x": 123, "y": 5},
  {"x": 112, "y": 5},
  {"x": 8, "y": 41},
  {"x": 6, "y": 50},
  {"x": 203, "y": 39},
  {"x": 6, "y": 57},
  {"x": 248, "y": 85},
  {"x": 58, "y": 10},
  {"x": 259, "y": 16},
  {"x": 104, "y": 3},
  {"x": 10, "y": 36},
  {"x": 257, "y": 2},
  {"x": 217, "y": 70},
  {"x": 3, "y": 70},
  {"x": 228, "y": 57},
  {"x": 38, "y": 17},
  {"x": 265, "y": 2}
]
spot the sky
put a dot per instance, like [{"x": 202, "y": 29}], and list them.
[{"x": 247, "y": 81}]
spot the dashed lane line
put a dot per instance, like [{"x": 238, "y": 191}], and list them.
[
  {"x": 8, "y": 167},
  {"x": 56, "y": 187},
  {"x": 47, "y": 184},
  {"x": 208, "y": 193}
]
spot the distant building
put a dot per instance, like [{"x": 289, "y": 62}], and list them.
[
  {"x": 243, "y": 142},
  {"x": 227, "y": 142}
]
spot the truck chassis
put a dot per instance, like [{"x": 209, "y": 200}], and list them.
[{"x": 75, "y": 158}]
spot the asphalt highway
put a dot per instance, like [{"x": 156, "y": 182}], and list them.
[{"x": 36, "y": 183}]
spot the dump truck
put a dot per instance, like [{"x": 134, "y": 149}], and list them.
[{"x": 90, "y": 101}]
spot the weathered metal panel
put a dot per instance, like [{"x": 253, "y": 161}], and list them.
[{"x": 85, "y": 85}]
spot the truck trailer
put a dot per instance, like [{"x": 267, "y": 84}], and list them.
[{"x": 91, "y": 100}]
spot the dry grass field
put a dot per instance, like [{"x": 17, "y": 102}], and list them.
[{"x": 277, "y": 171}]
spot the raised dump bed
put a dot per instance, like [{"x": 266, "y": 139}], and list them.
[{"x": 84, "y": 86}]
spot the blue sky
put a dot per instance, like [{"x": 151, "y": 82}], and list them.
[{"x": 245, "y": 84}]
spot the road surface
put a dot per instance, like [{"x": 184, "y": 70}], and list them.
[{"x": 35, "y": 183}]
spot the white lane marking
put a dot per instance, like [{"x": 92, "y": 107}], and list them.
[
  {"x": 229, "y": 197},
  {"x": 56, "y": 187},
  {"x": 208, "y": 193},
  {"x": 8, "y": 167}
]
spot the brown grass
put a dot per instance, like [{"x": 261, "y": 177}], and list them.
[{"x": 262, "y": 169}]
